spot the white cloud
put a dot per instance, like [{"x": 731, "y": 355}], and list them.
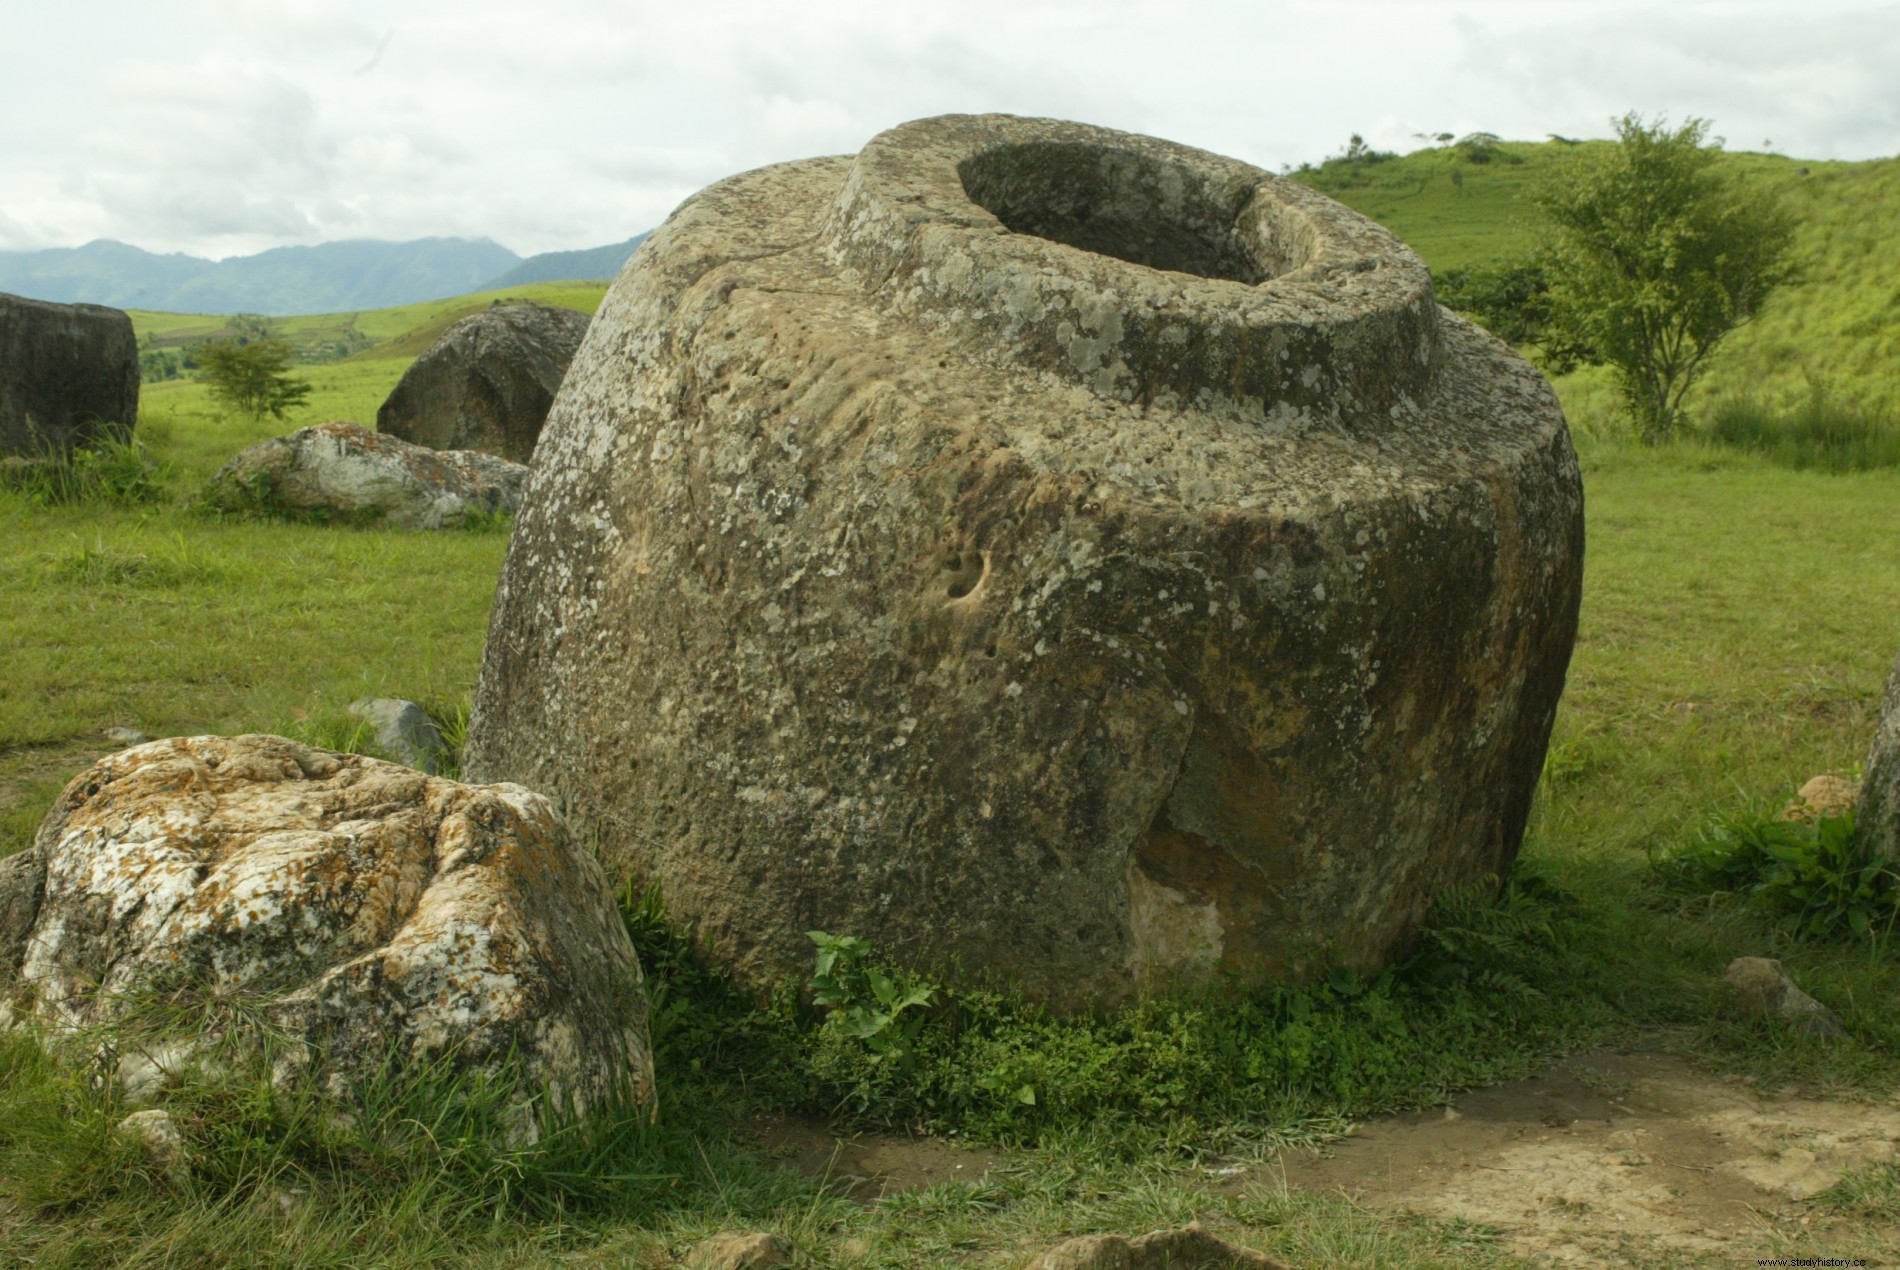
[{"x": 221, "y": 126}]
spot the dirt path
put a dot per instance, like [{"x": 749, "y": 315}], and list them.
[
  {"x": 1612, "y": 1155},
  {"x": 1607, "y": 1159}
]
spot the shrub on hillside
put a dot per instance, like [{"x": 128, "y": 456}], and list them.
[
  {"x": 252, "y": 377},
  {"x": 1509, "y": 299}
]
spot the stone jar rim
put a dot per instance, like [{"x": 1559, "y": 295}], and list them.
[{"x": 1295, "y": 304}]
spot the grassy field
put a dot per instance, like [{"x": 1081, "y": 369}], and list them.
[{"x": 1739, "y": 620}]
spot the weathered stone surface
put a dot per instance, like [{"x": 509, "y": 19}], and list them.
[
  {"x": 69, "y": 376},
  {"x": 1046, "y": 552},
  {"x": 367, "y": 911},
  {"x": 1762, "y": 987},
  {"x": 734, "y": 1250},
  {"x": 1192, "y": 1247},
  {"x": 1878, "y": 821},
  {"x": 487, "y": 383},
  {"x": 347, "y": 471},
  {"x": 404, "y": 730}
]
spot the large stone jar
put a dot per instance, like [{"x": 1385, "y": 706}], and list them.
[
  {"x": 69, "y": 377},
  {"x": 1056, "y": 555}
]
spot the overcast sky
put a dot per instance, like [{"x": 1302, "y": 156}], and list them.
[{"x": 222, "y": 127}]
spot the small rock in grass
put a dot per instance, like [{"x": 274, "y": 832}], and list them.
[
  {"x": 735, "y": 1250},
  {"x": 404, "y": 730},
  {"x": 1823, "y": 798},
  {"x": 1763, "y": 987},
  {"x": 1192, "y": 1247},
  {"x": 127, "y": 737},
  {"x": 164, "y": 1146}
]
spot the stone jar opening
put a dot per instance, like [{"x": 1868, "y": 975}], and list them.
[{"x": 1134, "y": 207}]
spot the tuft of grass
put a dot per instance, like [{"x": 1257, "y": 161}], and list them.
[
  {"x": 1871, "y": 1194},
  {"x": 115, "y": 471},
  {"x": 1821, "y": 431},
  {"x": 173, "y": 563}
]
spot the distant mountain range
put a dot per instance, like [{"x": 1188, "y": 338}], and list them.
[
  {"x": 328, "y": 278},
  {"x": 559, "y": 266}
]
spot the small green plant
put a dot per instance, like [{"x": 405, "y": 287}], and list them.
[
  {"x": 499, "y": 521},
  {"x": 1499, "y": 937},
  {"x": 885, "y": 1010},
  {"x": 1818, "y": 881}
]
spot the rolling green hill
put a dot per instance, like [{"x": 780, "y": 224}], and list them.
[{"x": 1838, "y": 326}]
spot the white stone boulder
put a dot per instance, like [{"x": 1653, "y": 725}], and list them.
[
  {"x": 345, "y": 471},
  {"x": 368, "y": 914}
]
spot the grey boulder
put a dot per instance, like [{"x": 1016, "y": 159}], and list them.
[
  {"x": 1762, "y": 988},
  {"x": 403, "y": 730},
  {"x": 1878, "y": 819}
]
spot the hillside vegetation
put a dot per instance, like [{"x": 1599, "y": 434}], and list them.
[{"x": 1837, "y": 327}]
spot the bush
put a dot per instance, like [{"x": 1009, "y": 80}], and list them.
[
  {"x": 252, "y": 377},
  {"x": 1511, "y": 299},
  {"x": 1653, "y": 258},
  {"x": 1177, "y": 1073}
]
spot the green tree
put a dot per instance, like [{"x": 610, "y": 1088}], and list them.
[
  {"x": 1651, "y": 259},
  {"x": 252, "y": 377}
]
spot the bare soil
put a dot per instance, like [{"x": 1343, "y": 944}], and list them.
[
  {"x": 1610, "y": 1158},
  {"x": 869, "y": 1166},
  {"x": 1612, "y": 1153}
]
